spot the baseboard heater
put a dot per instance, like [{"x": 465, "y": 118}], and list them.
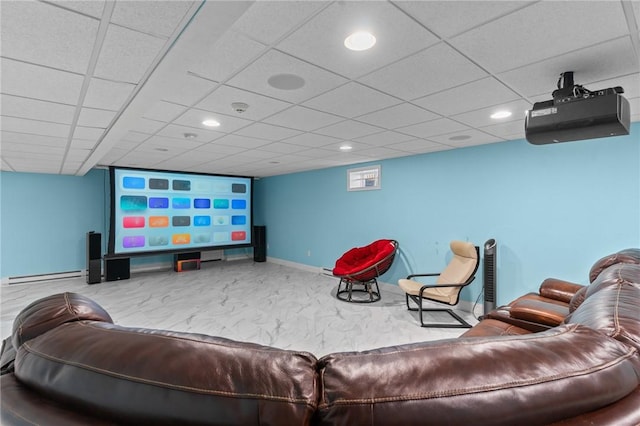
[
  {"x": 43, "y": 277},
  {"x": 211, "y": 255}
]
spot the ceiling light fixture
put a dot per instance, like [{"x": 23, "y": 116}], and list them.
[
  {"x": 346, "y": 148},
  {"x": 211, "y": 123},
  {"x": 190, "y": 135},
  {"x": 286, "y": 81},
  {"x": 501, "y": 114},
  {"x": 360, "y": 40}
]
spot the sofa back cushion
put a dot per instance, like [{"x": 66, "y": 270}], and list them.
[
  {"x": 611, "y": 304},
  {"x": 529, "y": 379},
  {"x": 631, "y": 255},
  {"x": 49, "y": 312},
  {"x": 159, "y": 377}
]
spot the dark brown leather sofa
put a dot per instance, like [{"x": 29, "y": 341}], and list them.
[{"x": 568, "y": 355}]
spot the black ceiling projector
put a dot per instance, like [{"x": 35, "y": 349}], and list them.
[{"x": 576, "y": 113}]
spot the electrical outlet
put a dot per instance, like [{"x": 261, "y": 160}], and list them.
[{"x": 308, "y": 253}]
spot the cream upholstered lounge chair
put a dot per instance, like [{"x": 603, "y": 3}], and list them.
[{"x": 458, "y": 273}]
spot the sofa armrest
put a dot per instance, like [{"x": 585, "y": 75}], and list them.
[
  {"x": 561, "y": 290},
  {"x": 539, "y": 312}
]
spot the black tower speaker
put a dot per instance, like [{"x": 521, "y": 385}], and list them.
[
  {"x": 116, "y": 268},
  {"x": 94, "y": 256},
  {"x": 260, "y": 243},
  {"x": 489, "y": 275}
]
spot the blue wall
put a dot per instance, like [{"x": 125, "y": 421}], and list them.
[{"x": 553, "y": 209}]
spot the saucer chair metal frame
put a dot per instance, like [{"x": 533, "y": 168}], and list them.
[
  {"x": 461, "y": 323},
  {"x": 367, "y": 278}
]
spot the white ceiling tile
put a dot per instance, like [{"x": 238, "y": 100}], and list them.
[
  {"x": 630, "y": 83},
  {"x": 590, "y": 64},
  {"x": 89, "y": 133},
  {"x": 245, "y": 142},
  {"x": 466, "y": 138},
  {"x": 15, "y": 147},
  {"x": 467, "y": 97},
  {"x": 433, "y": 128},
  {"x": 259, "y": 106},
  {"x": 83, "y": 143},
  {"x": 447, "y": 18},
  {"x": 351, "y": 100},
  {"x": 316, "y": 152},
  {"x": 255, "y": 77},
  {"x": 32, "y": 81},
  {"x": 194, "y": 118},
  {"x": 34, "y": 109},
  {"x": 164, "y": 111},
  {"x": 93, "y": 117},
  {"x": 30, "y": 139},
  {"x": 135, "y": 136},
  {"x": 44, "y": 34},
  {"x": 302, "y": 118},
  {"x": 187, "y": 89},
  {"x": 35, "y": 127},
  {"x": 481, "y": 117},
  {"x": 77, "y": 155},
  {"x": 107, "y": 94},
  {"x": 384, "y": 138},
  {"x": 429, "y": 71},
  {"x": 321, "y": 40},
  {"x": 267, "y": 131},
  {"x": 220, "y": 59},
  {"x": 159, "y": 18},
  {"x": 311, "y": 140},
  {"x": 126, "y": 55},
  {"x": 398, "y": 116},
  {"x": 282, "y": 17},
  {"x": 379, "y": 153},
  {"x": 217, "y": 149},
  {"x": 419, "y": 146},
  {"x": 548, "y": 20},
  {"x": 172, "y": 144},
  {"x": 281, "y": 148},
  {"x": 348, "y": 130},
  {"x": 90, "y": 7},
  {"x": 144, "y": 125},
  {"x": 178, "y": 132},
  {"x": 506, "y": 130}
]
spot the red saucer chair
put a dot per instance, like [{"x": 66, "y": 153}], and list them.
[{"x": 361, "y": 266}]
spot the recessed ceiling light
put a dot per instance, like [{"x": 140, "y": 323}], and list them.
[
  {"x": 211, "y": 123},
  {"x": 360, "y": 40},
  {"x": 459, "y": 138},
  {"x": 190, "y": 135},
  {"x": 346, "y": 148},
  {"x": 162, "y": 149},
  {"x": 501, "y": 114}
]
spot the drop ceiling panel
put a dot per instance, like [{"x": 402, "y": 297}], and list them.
[
  {"x": 429, "y": 71},
  {"x": 590, "y": 64},
  {"x": 384, "y": 138},
  {"x": 349, "y": 129},
  {"x": 187, "y": 89},
  {"x": 144, "y": 125},
  {"x": 447, "y": 18},
  {"x": 630, "y": 83},
  {"x": 282, "y": 18},
  {"x": 44, "y": 34},
  {"x": 509, "y": 130},
  {"x": 164, "y": 111},
  {"x": 107, "y": 94},
  {"x": 89, "y": 7},
  {"x": 34, "y": 109},
  {"x": 83, "y": 143},
  {"x": 259, "y": 106},
  {"x": 311, "y": 140},
  {"x": 541, "y": 31},
  {"x": 419, "y": 146},
  {"x": 217, "y": 149},
  {"x": 93, "y": 117},
  {"x": 281, "y": 148},
  {"x": 176, "y": 131},
  {"x": 174, "y": 145},
  {"x": 32, "y": 140},
  {"x": 255, "y": 77},
  {"x": 35, "y": 127},
  {"x": 321, "y": 40},
  {"x": 89, "y": 133},
  {"x": 126, "y": 55},
  {"x": 379, "y": 153},
  {"x": 16, "y": 147},
  {"x": 267, "y": 131},
  {"x": 32, "y": 81},
  {"x": 433, "y": 128},
  {"x": 221, "y": 59},
  {"x": 244, "y": 142},
  {"x": 466, "y": 138},
  {"x": 467, "y": 97},
  {"x": 302, "y": 118},
  {"x": 396, "y": 116},
  {"x": 158, "y": 18},
  {"x": 352, "y": 100}
]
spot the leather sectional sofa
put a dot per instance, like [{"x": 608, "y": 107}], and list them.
[{"x": 568, "y": 355}]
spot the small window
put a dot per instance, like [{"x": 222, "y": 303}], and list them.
[{"x": 363, "y": 178}]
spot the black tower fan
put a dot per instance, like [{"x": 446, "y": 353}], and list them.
[{"x": 489, "y": 275}]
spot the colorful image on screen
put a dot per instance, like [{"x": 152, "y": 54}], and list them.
[{"x": 169, "y": 211}]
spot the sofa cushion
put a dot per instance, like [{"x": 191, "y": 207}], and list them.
[
  {"x": 492, "y": 327},
  {"x": 540, "y": 312},
  {"x": 577, "y": 299},
  {"x": 530, "y": 379},
  {"x": 159, "y": 377},
  {"x": 631, "y": 255},
  {"x": 563, "y": 291},
  {"x": 49, "y": 312},
  {"x": 611, "y": 304}
]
